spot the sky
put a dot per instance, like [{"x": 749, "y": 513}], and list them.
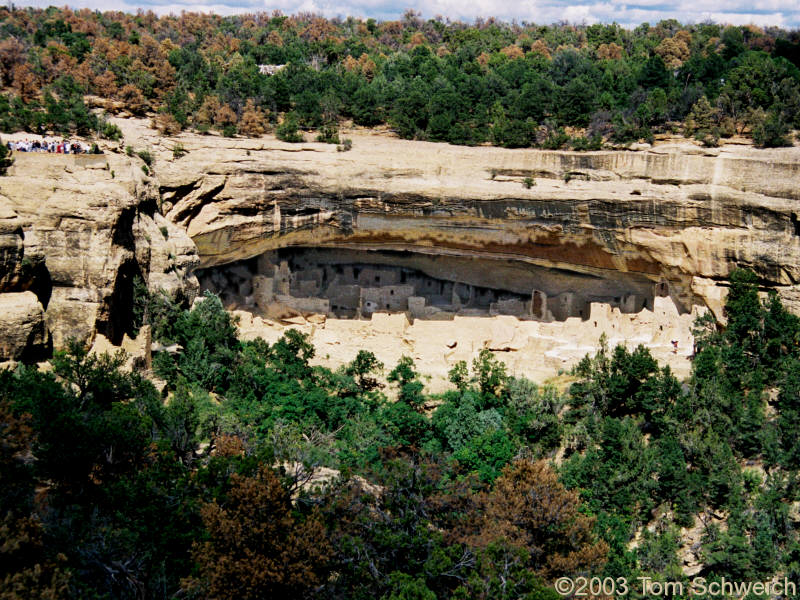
[{"x": 783, "y": 13}]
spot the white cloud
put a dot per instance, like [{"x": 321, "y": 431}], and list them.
[{"x": 626, "y": 12}]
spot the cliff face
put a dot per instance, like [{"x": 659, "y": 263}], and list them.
[
  {"x": 675, "y": 215},
  {"x": 75, "y": 231},
  {"x": 603, "y": 226}
]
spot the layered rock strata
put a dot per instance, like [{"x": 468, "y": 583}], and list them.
[
  {"x": 674, "y": 215},
  {"x": 614, "y": 227}
]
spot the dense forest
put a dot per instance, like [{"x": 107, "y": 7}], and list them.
[
  {"x": 513, "y": 85},
  {"x": 256, "y": 475}
]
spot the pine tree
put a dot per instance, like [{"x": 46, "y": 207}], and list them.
[
  {"x": 531, "y": 509},
  {"x": 256, "y": 547},
  {"x": 253, "y": 122},
  {"x": 702, "y": 119}
]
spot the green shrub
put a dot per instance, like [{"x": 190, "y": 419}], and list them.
[
  {"x": 129, "y": 150},
  {"x": 111, "y": 131},
  {"x": 629, "y": 130},
  {"x": 555, "y": 140},
  {"x": 329, "y": 133},
  {"x": 701, "y": 118},
  {"x": 178, "y": 150},
  {"x": 207, "y": 335},
  {"x": 146, "y": 156},
  {"x": 582, "y": 143},
  {"x": 486, "y": 454},
  {"x": 772, "y": 132},
  {"x": 287, "y": 131},
  {"x": 529, "y": 182},
  {"x": 579, "y": 143},
  {"x": 709, "y": 139},
  {"x": 5, "y": 159},
  {"x": 345, "y": 146}
]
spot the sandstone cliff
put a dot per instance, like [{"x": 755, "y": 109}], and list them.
[
  {"x": 676, "y": 214},
  {"x": 74, "y": 233}
]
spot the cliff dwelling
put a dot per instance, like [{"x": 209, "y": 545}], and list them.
[{"x": 354, "y": 284}]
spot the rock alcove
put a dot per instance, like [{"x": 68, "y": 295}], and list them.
[{"x": 352, "y": 283}]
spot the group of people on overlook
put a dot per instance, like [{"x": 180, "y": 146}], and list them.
[{"x": 52, "y": 146}]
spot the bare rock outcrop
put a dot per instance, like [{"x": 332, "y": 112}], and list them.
[
  {"x": 75, "y": 232},
  {"x": 675, "y": 214},
  {"x": 23, "y": 333}
]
